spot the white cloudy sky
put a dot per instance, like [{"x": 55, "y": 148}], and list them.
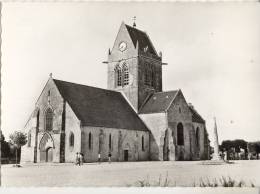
[{"x": 212, "y": 51}]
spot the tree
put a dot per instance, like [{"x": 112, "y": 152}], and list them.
[
  {"x": 5, "y": 149},
  {"x": 18, "y": 139}
]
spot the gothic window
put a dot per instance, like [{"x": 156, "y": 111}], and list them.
[
  {"x": 153, "y": 78},
  {"x": 118, "y": 75},
  {"x": 29, "y": 139},
  {"x": 180, "y": 136},
  {"x": 110, "y": 142},
  {"x": 142, "y": 143},
  {"x": 48, "y": 120},
  {"x": 126, "y": 74},
  {"x": 147, "y": 76},
  {"x": 89, "y": 141},
  {"x": 49, "y": 94},
  {"x": 71, "y": 140},
  {"x": 198, "y": 136},
  {"x": 179, "y": 109}
]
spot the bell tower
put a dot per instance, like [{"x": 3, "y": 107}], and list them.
[{"x": 134, "y": 67}]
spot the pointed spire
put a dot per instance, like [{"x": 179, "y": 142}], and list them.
[
  {"x": 134, "y": 24},
  {"x": 50, "y": 75}
]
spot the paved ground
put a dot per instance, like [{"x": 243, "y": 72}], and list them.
[{"x": 126, "y": 173}]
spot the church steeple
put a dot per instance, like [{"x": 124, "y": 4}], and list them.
[{"x": 134, "y": 67}]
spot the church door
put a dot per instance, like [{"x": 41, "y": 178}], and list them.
[
  {"x": 49, "y": 155},
  {"x": 125, "y": 155}
]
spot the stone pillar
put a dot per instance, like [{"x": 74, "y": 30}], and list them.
[{"x": 216, "y": 155}]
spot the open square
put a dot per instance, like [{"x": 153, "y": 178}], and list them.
[{"x": 127, "y": 173}]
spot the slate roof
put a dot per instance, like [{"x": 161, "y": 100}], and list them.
[
  {"x": 196, "y": 116},
  {"x": 99, "y": 107},
  {"x": 142, "y": 38},
  {"x": 158, "y": 102}
]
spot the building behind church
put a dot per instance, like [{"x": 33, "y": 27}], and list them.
[{"x": 133, "y": 120}]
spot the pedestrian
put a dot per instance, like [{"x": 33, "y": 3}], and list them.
[
  {"x": 99, "y": 158},
  {"x": 109, "y": 157},
  {"x": 77, "y": 158},
  {"x": 81, "y": 157}
]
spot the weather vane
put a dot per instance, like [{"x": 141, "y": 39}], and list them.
[{"x": 134, "y": 24}]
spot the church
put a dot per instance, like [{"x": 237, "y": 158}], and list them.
[{"x": 133, "y": 119}]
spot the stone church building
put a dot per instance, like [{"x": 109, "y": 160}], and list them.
[{"x": 133, "y": 119}]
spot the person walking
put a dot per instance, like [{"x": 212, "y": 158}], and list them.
[
  {"x": 109, "y": 157},
  {"x": 81, "y": 158},
  {"x": 99, "y": 158},
  {"x": 77, "y": 158}
]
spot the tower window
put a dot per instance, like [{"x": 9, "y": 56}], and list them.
[
  {"x": 126, "y": 74},
  {"x": 180, "y": 136},
  {"x": 118, "y": 75},
  {"x": 71, "y": 140},
  {"x": 48, "y": 120},
  {"x": 147, "y": 79}
]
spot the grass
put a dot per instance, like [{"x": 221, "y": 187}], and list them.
[{"x": 216, "y": 182}]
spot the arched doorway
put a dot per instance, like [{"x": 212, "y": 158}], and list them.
[
  {"x": 46, "y": 147},
  {"x": 49, "y": 154}
]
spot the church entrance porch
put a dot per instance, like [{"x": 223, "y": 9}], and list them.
[
  {"x": 47, "y": 155},
  {"x": 46, "y": 147}
]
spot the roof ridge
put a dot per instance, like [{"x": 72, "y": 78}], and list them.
[
  {"x": 166, "y": 91},
  {"x": 135, "y": 28},
  {"x": 86, "y": 85}
]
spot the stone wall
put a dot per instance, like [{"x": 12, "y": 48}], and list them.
[
  {"x": 144, "y": 90},
  {"x": 72, "y": 125},
  {"x": 157, "y": 124},
  {"x": 179, "y": 112},
  {"x": 121, "y": 139}
]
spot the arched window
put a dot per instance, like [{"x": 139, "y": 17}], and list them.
[
  {"x": 198, "y": 136},
  {"x": 48, "y": 120},
  {"x": 153, "y": 79},
  {"x": 118, "y": 75},
  {"x": 142, "y": 143},
  {"x": 148, "y": 75},
  {"x": 29, "y": 139},
  {"x": 110, "y": 142},
  {"x": 89, "y": 141},
  {"x": 126, "y": 74},
  {"x": 180, "y": 136},
  {"x": 71, "y": 139}
]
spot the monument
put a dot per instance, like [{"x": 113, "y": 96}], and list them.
[
  {"x": 216, "y": 155},
  {"x": 216, "y": 159}
]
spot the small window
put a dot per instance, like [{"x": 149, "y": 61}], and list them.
[
  {"x": 110, "y": 142},
  {"x": 71, "y": 139},
  {"x": 142, "y": 143},
  {"x": 89, "y": 141},
  {"x": 29, "y": 139}
]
